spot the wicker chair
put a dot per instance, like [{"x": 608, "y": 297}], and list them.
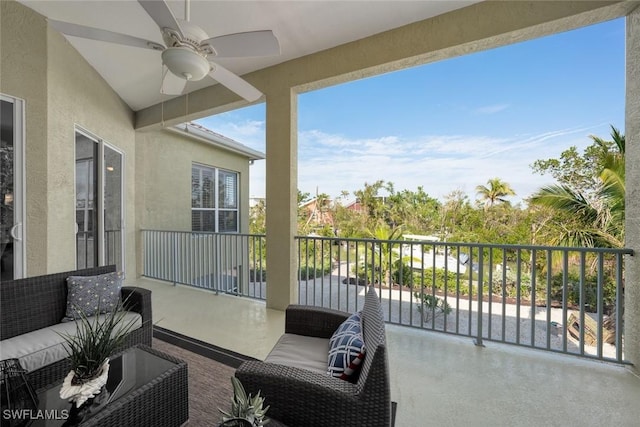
[
  {"x": 299, "y": 397},
  {"x": 37, "y": 302}
]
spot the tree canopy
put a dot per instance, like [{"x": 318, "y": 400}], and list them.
[
  {"x": 590, "y": 211},
  {"x": 584, "y": 208}
]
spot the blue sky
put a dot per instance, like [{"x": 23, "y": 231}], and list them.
[{"x": 453, "y": 124}]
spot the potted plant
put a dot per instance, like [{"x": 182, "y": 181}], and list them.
[
  {"x": 246, "y": 410},
  {"x": 96, "y": 338}
]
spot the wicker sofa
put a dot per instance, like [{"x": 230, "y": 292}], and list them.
[
  {"x": 38, "y": 303},
  {"x": 299, "y": 396}
]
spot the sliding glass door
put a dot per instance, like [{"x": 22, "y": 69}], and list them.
[
  {"x": 12, "y": 231},
  {"x": 86, "y": 213},
  {"x": 99, "y": 203},
  {"x": 113, "y": 214}
]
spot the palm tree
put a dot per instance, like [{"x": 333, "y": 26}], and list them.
[
  {"x": 597, "y": 217},
  {"x": 383, "y": 257},
  {"x": 613, "y": 190},
  {"x": 495, "y": 191}
]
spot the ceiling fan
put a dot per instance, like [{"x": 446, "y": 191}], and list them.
[{"x": 188, "y": 49}]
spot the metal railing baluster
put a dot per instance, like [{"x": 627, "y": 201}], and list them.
[{"x": 587, "y": 279}]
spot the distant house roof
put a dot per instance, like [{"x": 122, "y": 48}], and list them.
[
  {"x": 208, "y": 136},
  {"x": 319, "y": 216},
  {"x": 353, "y": 205},
  {"x": 313, "y": 201}
]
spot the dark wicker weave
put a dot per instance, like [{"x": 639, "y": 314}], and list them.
[
  {"x": 163, "y": 402},
  {"x": 38, "y": 302},
  {"x": 303, "y": 398}
]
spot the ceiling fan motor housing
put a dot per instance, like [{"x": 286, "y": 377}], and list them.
[
  {"x": 186, "y": 63},
  {"x": 184, "y": 56}
]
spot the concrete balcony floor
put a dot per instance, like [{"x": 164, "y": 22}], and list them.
[{"x": 437, "y": 379}]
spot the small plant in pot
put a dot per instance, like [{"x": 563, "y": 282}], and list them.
[
  {"x": 96, "y": 338},
  {"x": 246, "y": 410}
]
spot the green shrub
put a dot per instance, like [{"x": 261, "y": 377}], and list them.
[
  {"x": 308, "y": 272},
  {"x": 430, "y": 305},
  {"x": 442, "y": 278},
  {"x": 590, "y": 291},
  {"x": 401, "y": 273}
]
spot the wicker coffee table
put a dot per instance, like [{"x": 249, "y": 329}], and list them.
[{"x": 146, "y": 388}]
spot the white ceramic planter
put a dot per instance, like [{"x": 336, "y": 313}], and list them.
[{"x": 79, "y": 394}]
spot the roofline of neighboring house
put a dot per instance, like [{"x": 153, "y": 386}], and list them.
[
  {"x": 308, "y": 202},
  {"x": 208, "y": 136}
]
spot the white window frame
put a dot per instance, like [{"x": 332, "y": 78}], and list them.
[
  {"x": 19, "y": 227},
  {"x": 99, "y": 203},
  {"x": 216, "y": 198}
]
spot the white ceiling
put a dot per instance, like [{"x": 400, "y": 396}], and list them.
[{"x": 302, "y": 27}]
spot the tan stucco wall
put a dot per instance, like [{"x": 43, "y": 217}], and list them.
[
  {"x": 60, "y": 91},
  {"x": 632, "y": 204},
  {"x": 282, "y": 184},
  {"x": 78, "y": 96},
  {"x": 24, "y": 76},
  {"x": 163, "y": 186}
]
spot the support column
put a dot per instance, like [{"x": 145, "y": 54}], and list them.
[
  {"x": 632, "y": 203},
  {"x": 282, "y": 197}
]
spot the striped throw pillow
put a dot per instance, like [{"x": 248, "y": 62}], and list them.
[{"x": 346, "y": 349}]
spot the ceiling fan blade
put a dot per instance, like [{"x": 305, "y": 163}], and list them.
[
  {"x": 251, "y": 43},
  {"x": 102, "y": 35},
  {"x": 159, "y": 11},
  {"x": 172, "y": 84},
  {"x": 234, "y": 83}
]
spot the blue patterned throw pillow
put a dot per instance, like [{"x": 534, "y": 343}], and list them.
[
  {"x": 346, "y": 349},
  {"x": 91, "y": 295}
]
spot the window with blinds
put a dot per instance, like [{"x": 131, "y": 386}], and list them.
[{"x": 214, "y": 199}]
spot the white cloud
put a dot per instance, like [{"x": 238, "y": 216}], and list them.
[
  {"x": 249, "y": 128},
  {"x": 439, "y": 163},
  {"x": 491, "y": 109}
]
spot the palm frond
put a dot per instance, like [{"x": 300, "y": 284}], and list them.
[
  {"x": 564, "y": 199},
  {"x": 596, "y": 219}
]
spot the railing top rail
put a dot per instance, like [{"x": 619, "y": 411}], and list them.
[
  {"x": 203, "y": 233},
  {"x": 623, "y": 251}
]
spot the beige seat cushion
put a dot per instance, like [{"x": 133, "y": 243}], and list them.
[
  {"x": 44, "y": 346},
  {"x": 303, "y": 352}
]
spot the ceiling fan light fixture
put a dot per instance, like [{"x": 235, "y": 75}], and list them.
[{"x": 186, "y": 63}]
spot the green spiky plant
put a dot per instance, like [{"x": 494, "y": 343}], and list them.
[
  {"x": 96, "y": 339},
  {"x": 430, "y": 304},
  {"x": 245, "y": 408}
]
